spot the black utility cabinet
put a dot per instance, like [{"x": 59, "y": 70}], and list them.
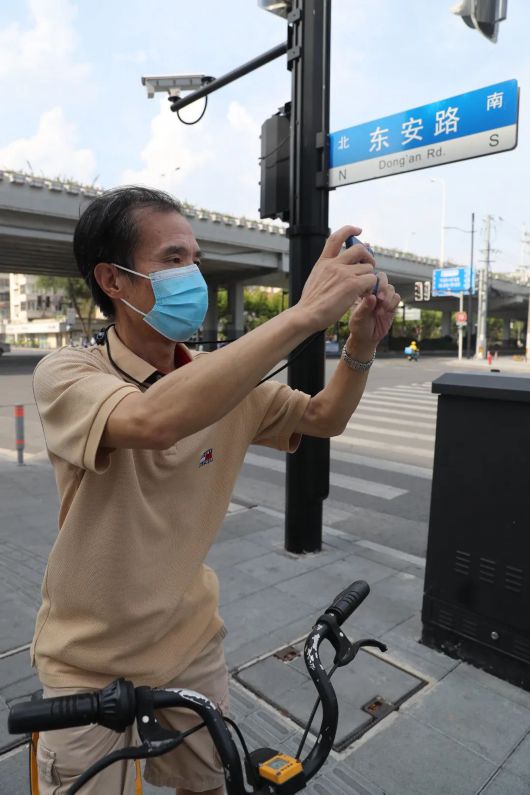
[{"x": 476, "y": 604}]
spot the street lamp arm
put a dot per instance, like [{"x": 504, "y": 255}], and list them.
[
  {"x": 235, "y": 74},
  {"x": 459, "y": 228}
]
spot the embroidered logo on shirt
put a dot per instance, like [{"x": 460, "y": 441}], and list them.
[{"x": 206, "y": 457}]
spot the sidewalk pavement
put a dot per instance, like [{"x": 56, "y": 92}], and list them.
[
  {"x": 514, "y": 365},
  {"x": 465, "y": 732}
]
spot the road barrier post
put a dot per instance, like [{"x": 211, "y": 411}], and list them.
[{"x": 19, "y": 434}]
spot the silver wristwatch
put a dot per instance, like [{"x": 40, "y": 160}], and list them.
[{"x": 355, "y": 364}]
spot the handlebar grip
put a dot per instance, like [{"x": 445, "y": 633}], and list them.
[
  {"x": 62, "y": 712},
  {"x": 349, "y": 600}
]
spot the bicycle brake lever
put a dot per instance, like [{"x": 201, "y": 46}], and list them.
[
  {"x": 360, "y": 644},
  {"x": 149, "y": 729},
  {"x": 345, "y": 650}
]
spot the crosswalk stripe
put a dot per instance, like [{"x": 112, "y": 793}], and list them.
[
  {"x": 373, "y": 444},
  {"x": 336, "y": 479},
  {"x": 388, "y": 401},
  {"x": 357, "y": 426},
  {"x": 417, "y": 389},
  {"x": 397, "y": 553},
  {"x": 382, "y": 463},
  {"x": 366, "y": 415},
  {"x": 423, "y": 402},
  {"x": 422, "y": 396},
  {"x": 374, "y": 409}
]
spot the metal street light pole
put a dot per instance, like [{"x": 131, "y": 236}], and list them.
[
  {"x": 307, "y": 472},
  {"x": 525, "y": 241},
  {"x": 482, "y": 318},
  {"x": 470, "y": 294},
  {"x": 308, "y": 57}
]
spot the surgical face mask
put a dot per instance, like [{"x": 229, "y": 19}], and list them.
[{"x": 181, "y": 301}]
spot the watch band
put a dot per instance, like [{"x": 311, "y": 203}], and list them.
[{"x": 355, "y": 364}]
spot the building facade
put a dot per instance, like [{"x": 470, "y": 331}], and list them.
[{"x": 37, "y": 316}]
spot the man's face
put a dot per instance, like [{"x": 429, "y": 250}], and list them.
[{"x": 164, "y": 240}]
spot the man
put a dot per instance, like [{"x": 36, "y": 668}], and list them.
[{"x": 146, "y": 439}]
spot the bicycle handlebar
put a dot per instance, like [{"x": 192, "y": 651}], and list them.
[
  {"x": 348, "y": 601},
  {"x": 112, "y": 707},
  {"x": 120, "y": 703}
]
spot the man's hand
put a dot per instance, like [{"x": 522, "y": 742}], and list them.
[
  {"x": 372, "y": 317},
  {"x": 330, "y": 410},
  {"x": 338, "y": 280}
]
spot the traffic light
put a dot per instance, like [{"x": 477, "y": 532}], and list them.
[
  {"x": 275, "y": 147},
  {"x": 483, "y": 15}
]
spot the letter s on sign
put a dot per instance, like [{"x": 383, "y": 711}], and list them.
[{"x": 494, "y": 139}]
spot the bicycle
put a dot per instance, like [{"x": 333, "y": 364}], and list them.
[{"x": 268, "y": 771}]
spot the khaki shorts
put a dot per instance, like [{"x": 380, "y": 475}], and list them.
[{"x": 63, "y": 755}]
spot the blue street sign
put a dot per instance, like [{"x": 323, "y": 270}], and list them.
[
  {"x": 478, "y": 123},
  {"x": 449, "y": 281}
]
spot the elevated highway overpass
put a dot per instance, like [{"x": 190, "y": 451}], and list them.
[{"x": 38, "y": 217}]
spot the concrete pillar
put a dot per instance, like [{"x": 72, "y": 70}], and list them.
[
  {"x": 506, "y": 322},
  {"x": 211, "y": 321},
  {"x": 446, "y": 324},
  {"x": 236, "y": 323}
]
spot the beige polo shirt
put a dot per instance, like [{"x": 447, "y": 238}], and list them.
[{"x": 126, "y": 592}]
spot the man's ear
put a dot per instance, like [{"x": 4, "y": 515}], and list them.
[{"x": 106, "y": 275}]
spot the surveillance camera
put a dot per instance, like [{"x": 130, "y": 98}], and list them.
[{"x": 174, "y": 84}]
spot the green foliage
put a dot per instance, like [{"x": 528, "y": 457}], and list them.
[
  {"x": 495, "y": 330},
  {"x": 517, "y": 331},
  {"x": 431, "y": 324},
  {"x": 68, "y": 286},
  {"x": 428, "y": 327},
  {"x": 260, "y": 305}
]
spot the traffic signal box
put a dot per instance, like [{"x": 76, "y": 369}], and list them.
[
  {"x": 476, "y": 604},
  {"x": 275, "y": 147}
]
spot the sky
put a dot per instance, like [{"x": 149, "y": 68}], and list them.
[{"x": 72, "y": 105}]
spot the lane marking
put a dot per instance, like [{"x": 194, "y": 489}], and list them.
[
  {"x": 407, "y": 408},
  {"x": 424, "y": 405},
  {"x": 421, "y": 394},
  {"x": 417, "y": 390},
  {"x": 336, "y": 479},
  {"x": 356, "y": 426},
  {"x": 382, "y": 463},
  {"x": 396, "y": 412},
  {"x": 357, "y": 441},
  {"x": 392, "y": 420},
  {"x": 395, "y": 553},
  {"x": 373, "y": 463}
]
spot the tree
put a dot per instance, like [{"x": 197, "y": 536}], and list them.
[
  {"x": 495, "y": 329},
  {"x": 431, "y": 323},
  {"x": 78, "y": 295},
  {"x": 260, "y": 305}
]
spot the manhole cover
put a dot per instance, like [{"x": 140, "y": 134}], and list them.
[{"x": 368, "y": 689}]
